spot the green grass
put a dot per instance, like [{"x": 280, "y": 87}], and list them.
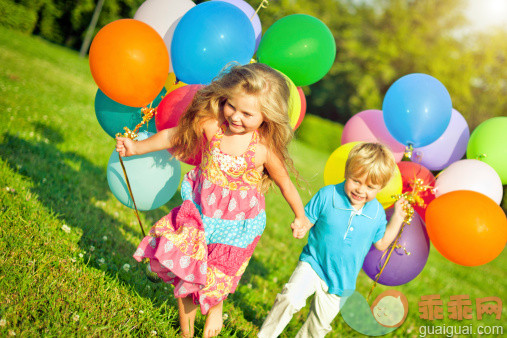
[{"x": 53, "y": 158}]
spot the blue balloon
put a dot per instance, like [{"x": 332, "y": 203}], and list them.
[
  {"x": 208, "y": 37},
  {"x": 113, "y": 116},
  {"x": 153, "y": 177},
  {"x": 417, "y": 109}
]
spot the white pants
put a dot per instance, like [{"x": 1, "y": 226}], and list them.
[{"x": 302, "y": 284}]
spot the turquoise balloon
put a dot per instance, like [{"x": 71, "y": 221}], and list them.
[
  {"x": 417, "y": 109},
  {"x": 114, "y": 116},
  {"x": 154, "y": 178}
]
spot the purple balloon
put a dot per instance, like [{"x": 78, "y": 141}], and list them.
[
  {"x": 369, "y": 126},
  {"x": 401, "y": 268},
  {"x": 249, "y": 11},
  {"x": 448, "y": 148}
]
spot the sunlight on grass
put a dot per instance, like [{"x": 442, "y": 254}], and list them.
[{"x": 66, "y": 243}]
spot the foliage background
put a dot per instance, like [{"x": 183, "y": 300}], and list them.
[{"x": 377, "y": 43}]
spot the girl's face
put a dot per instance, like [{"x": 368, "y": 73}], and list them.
[{"x": 243, "y": 112}]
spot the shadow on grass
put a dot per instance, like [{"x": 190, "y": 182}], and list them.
[{"x": 67, "y": 184}]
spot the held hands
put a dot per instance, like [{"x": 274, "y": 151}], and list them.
[
  {"x": 125, "y": 146},
  {"x": 300, "y": 227}
]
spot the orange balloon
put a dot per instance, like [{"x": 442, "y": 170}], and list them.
[
  {"x": 466, "y": 227},
  {"x": 129, "y": 62}
]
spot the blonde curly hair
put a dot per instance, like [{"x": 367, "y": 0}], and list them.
[{"x": 272, "y": 91}]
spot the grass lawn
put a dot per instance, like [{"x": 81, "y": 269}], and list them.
[{"x": 66, "y": 243}]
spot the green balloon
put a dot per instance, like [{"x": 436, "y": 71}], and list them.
[
  {"x": 300, "y": 46},
  {"x": 488, "y": 143}
]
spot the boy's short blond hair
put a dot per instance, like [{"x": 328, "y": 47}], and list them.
[{"x": 373, "y": 159}]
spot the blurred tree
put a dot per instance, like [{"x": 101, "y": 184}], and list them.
[{"x": 377, "y": 43}]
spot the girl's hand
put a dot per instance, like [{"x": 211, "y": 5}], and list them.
[
  {"x": 400, "y": 209},
  {"x": 300, "y": 227},
  {"x": 125, "y": 146}
]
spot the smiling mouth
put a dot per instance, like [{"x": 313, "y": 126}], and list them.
[{"x": 356, "y": 197}]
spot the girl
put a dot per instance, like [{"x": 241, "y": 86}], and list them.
[{"x": 203, "y": 246}]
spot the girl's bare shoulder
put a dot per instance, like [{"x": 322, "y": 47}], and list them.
[{"x": 211, "y": 127}]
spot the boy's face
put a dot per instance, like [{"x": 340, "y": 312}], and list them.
[{"x": 360, "y": 190}]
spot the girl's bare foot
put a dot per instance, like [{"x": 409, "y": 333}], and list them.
[
  {"x": 187, "y": 310},
  {"x": 214, "y": 321}
]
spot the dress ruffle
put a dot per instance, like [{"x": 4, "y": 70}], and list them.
[
  {"x": 178, "y": 254},
  {"x": 203, "y": 246}
]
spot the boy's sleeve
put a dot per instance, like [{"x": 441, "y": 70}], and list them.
[
  {"x": 313, "y": 208},
  {"x": 381, "y": 229}
]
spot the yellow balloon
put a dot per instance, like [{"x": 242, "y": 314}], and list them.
[
  {"x": 294, "y": 102},
  {"x": 334, "y": 173},
  {"x": 170, "y": 83},
  {"x": 393, "y": 187}
]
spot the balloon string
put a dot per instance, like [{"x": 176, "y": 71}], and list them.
[
  {"x": 131, "y": 195},
  {"x": 377, "y": 277},
  {"x": 409, "y": 209},
  {"x": 264, "y": 4}
]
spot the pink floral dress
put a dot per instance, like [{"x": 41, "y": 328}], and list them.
[{"x": 203, "y": 246}]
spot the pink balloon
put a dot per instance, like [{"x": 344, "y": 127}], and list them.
[
  {"x": 369, "y": 126},
  {"x": 448, "y": 148},
  {"x": 472, "y": 175},
  {"x": 172, "y": 106}
]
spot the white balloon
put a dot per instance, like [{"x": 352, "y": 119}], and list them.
[
  {"x": 163, "y": 16},
  {"x": 472, "y": 175}
]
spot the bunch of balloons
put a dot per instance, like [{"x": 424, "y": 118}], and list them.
[
  {"x": 170, "y": 49},
  {"x": 459, "y": 208}
]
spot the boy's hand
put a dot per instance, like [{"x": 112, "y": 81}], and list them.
[
  {"x": 400, "y": 207},
  {"x": 300, "y": 227},
  {"x": 125, "y": 146}
]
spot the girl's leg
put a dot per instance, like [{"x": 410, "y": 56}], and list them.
[
  {"x": 187, "y": 311},
  {"x": 214, "y": 321}
]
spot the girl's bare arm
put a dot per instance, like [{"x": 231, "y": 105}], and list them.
[
  {"x": 280, "y": 176},
  {"x": 160, "y": 141}
]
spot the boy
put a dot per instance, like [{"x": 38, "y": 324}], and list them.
[{"x": 348, "y": 220}]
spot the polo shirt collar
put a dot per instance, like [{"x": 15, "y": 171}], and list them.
[{"x": 341, "y": 201}]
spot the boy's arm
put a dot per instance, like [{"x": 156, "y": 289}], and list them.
[{"x": 393, "y": 226}]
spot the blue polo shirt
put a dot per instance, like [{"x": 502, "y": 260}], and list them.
[{"x": 341, "y": 236}]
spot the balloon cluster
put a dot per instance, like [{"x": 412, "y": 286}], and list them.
[
  {"x": 458, "y": 209},
  {"x": 155, "y": 63}
]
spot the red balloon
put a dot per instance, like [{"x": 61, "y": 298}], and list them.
[
  {"x": 170, "y": 109},
  {"x": 303, "y": 107},
  {"x": 411, "y": 171},
  {"x": 173, "y": 105}
]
